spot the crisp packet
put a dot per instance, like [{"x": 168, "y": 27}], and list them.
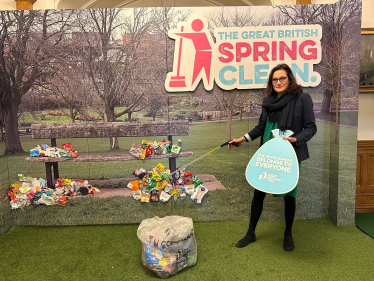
[
  {"x": 164, "y": 196},
  {"x": 148, "y": 151},
  {"x": 165, "y": 176},
  {"x": 145, "y": 197},
  {"x": 159, "y": 169},
  {"x": 137, "y": 195},
  {"x": 165, "y": 147},
  {"x": 179, "y": 174},
  {"x": 155, "y": 195},
  {"x": 64, "y": 154},
  {"x": 143, "y": 151},
  {"x": 196, "y": 181},
  {"x": 198, "y": 194},
  {"x": 175, "y": 193},
  {"x": 168, "y": 187},
  {"x": 34, "y": 153},
  {"x": 44, "y": 146},
  {"x": 157, "y": 149},
  {"x": 135, "y": 150},
  {"x": 175, "y": 149},
  {"x": 67, "y": 146},
  {"x": 155, "y": 177},
  {"x": 188, "y": 178},
  {"x": 142, "y": 154},
  {"x": 134, "y": 185},
  {"x": 139, "y": 171},
  {"x": 190, "y": 188}
]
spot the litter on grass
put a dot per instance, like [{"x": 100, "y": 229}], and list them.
[
  {"x": 31, "y": 191},
  {"x": 156, "y": 185}
]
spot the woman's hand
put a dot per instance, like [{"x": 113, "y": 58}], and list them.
[
  {"x": 290, "y": 139},
  {"x": 237, "y": 141}
]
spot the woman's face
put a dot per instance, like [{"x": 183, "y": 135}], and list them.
[{"x": 280, "y": 81}]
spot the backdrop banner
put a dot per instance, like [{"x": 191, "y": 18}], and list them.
[{"x": 107, "y": 101}]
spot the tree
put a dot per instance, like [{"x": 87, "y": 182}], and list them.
[
  {"x": 71, "y": 84},
  {"x": 113, "y": 64},
  {"x": 338, "y": 29},
  {"x": 162, "y": 61},
  {"x": 337, "y": 22},
  {"x": 225, "y": 101},
  {"x": 30, "y": 41},
  {"x": 231, "y": 101}
]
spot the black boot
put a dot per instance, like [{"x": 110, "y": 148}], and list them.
[
  {"x": 290, "y": 207},
  {"x": 256, "y": 210},
  {"x": 246, "y": 240},
  {"x": 288, "y": 244}
]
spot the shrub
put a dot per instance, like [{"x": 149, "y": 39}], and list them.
[{"x": 189, "y": 102}]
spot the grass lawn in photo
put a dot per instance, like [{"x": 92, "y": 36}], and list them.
[{"x": 228, "y": 166}]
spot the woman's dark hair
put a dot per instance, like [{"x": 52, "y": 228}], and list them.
[{"x": 293, "y": 87}]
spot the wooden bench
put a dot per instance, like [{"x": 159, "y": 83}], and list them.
[{"x": 106, "y": 130}]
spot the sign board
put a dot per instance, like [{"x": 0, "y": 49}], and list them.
[{"x": 274, "y": 167}]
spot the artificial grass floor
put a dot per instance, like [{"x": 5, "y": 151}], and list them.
[
  {"x": 112, "y": 252},
  {"x": 365, "y": 222}
]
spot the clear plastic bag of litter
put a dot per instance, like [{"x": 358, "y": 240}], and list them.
[{"x": 168, "y": 244}]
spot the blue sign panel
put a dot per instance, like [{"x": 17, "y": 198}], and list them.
[{"x": 274, "y": 167}]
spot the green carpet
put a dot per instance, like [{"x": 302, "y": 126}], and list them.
[
  {"x": 365, "y": 222},
  {"x": 112, "y": 252}
]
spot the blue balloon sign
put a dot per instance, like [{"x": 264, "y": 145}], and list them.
[{"x": 274, "y": 167}]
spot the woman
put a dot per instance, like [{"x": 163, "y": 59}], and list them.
[{"x": 284, "y": 107}]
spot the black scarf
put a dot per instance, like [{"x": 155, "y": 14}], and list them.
[{"x": 281, "y": 110}]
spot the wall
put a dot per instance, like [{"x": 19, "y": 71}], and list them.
[{"x": 366, "y": 100}]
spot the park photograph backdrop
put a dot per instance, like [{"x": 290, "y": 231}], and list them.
[{"x": 110, "y": 65}]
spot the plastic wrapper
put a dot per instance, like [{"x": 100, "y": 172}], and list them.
[
  {"x": 44, "y": 146},
  {"x": 65, "y": 155},
  {"x": 196, "y": 181},
  {"x": 164, "y": 197},
  {"x": 145, "y": 197},
  {"x": 67, "y": 146},
  {"x": 23, "y": 178},
  {"x": 188, "y": 178},
  {"x": 159, "y": 169},
  {"x": 73, "y": 153},
  {"x": 155, "y": 195},
  {"x": 140, "y": 173},
  {"x": 144, "y": 146},
  {"x": 34, "y": 153},
  {"x": 198, "y": 194},
  {"x": 134, "y": 185},
  {"x": 137, "y": 195},
  {"x": 190, "y": 188},
  {"x": 165, "y": 147},
  {"x": 175, "y": 149},
  {"x": 168, "y": 244},
  {"x": 148, "y": 151}
]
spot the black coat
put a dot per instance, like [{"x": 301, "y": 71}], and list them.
[{"x": 303, "y": 124}]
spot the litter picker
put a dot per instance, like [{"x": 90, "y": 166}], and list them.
[{"x": 222, "y": 145}]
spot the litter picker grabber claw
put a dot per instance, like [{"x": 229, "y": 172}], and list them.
[{"x": 222, "y": 145}]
